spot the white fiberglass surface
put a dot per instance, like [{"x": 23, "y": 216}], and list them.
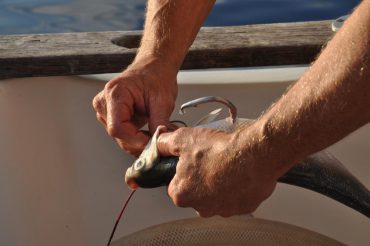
[
  {"x": 271, "y": 74},
  {"x": 61, "y": 175}
]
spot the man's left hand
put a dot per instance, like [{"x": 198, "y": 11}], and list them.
[{"x": 217, "y": 173}]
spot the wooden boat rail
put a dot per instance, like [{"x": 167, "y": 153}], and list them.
[{"x": 215, "y": 47}]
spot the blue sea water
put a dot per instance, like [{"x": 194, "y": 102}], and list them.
[{"x": 51, "y": 16}]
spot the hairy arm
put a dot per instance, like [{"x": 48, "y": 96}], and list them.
[
  {"x": 331, "y": 100},
  {"x": 170, "y": 29},
  {"x": 146, "y": 91},
  {"x": 227, "y": 174}
]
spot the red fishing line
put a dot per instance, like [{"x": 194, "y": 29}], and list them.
[{"x": 119, "y": 217}]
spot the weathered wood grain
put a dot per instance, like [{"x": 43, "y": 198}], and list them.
[{"x": 215, "y": 47}]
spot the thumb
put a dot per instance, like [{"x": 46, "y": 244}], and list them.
[
  {"x": 158, "y": 120},
  {"x": 158, "y": 115},
  {"x": 167, "y": 144}
]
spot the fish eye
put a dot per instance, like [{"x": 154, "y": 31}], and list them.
[{"x": 139, "y": 164}]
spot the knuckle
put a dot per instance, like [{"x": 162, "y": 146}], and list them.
[
  {"x": 171, "y": 142},
  {"x": 179, "y": 200},
  {"x": 205, "y": 213},
  {"x": 181, "y": 196},
  {"x": 197, "y": 154},
  {"x": 226, "y": 214},
  {"x": 249, "y": 209},
  {"x": 101, "y": 119},
  {"x": 141, "y": 146},
  {"x": 127, "y": 148},
  {"x": 178, "y": 136},
  {"x": 113, "y": 90},
  {"x": 113, "y": 93},
  {"x": 113, "y": 131},
  {"x": 181, "y": 131},
  {"x": 121, "y": 144},
  {"x": 96, "y": 103},
  {"x": 110, "y": 84},
  {"x": 175, "y": 149}
]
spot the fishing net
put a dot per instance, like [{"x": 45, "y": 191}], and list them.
[{"x": 221, "y": 231}]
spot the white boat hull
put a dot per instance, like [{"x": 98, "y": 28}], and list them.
[{"x": 61, "y": 175}]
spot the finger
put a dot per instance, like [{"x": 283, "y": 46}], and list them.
[
  {"x": 132, "y": 150},
  {"x": 168, "y": 145},
  {"x": 178, "y": 193},
  {"x": 101, "y": 119},
  {"x": 119, "y": 107},
  {"x": 128, "y": 133},
  {"x": 204, "y": 213},
  {"x": 119, "y": 124},
  {"x": 99, "y": 104}
]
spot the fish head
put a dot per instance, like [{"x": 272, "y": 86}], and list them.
[{"x": 146, "y": 161}]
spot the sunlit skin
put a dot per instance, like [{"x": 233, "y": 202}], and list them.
[
  {"x": 233, "y": 173},
  {"x": 213, "y": 176},
  {"x": 146, "y": 91},
  {"x": 140, "y": 94}
]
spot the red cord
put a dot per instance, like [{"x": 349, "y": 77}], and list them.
[{"x": 119, "y": 217}]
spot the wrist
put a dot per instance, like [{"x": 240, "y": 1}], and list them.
[
  {"x": 154, "y": 70},
  {"x": 156, "y": 58},
  {"x": 279, "y": 145},
  {"x": 270, "y": 156}
]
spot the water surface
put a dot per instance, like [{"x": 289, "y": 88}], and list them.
[{"x": 51, "y": 16}]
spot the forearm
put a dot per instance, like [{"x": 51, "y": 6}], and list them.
[
  {"x": 331, "y": 100},
  {"x": 170, "y": 29}
]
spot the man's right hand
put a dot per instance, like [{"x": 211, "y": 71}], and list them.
[
  {"x": 143, "y": 93},
  {"x": 147, "y": 90}
]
